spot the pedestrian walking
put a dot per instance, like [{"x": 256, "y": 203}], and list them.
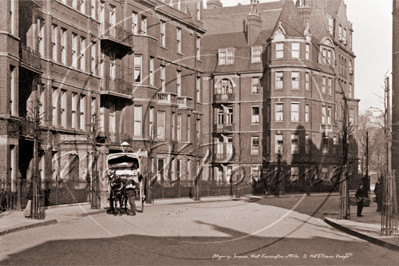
[
  {"x": 361, "y": 194},
  {"x": 29, "y": 196},
  {"x": 131, "y": 188},
  {"x": 378, "y": 194}
]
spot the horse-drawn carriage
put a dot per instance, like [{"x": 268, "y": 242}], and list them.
[{"x": 124, "y": 178}]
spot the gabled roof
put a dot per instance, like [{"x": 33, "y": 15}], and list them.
[
  {"x": 231, "y": 19},
  {"x": 290, "y": 20},
  {"x": 333, "y": 6},
  {"x": 215, "y": 41}
]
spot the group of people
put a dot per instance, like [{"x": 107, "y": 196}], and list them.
[{"x": 362, "y": 193}]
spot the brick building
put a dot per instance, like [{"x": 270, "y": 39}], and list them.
[
  {"x": 99, "y": 73},
  {"x": 278, "y": 86}
]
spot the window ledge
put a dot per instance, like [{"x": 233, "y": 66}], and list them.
[
  {"x": 179, "y": 53},
  {"x": 163, "y": 47}
]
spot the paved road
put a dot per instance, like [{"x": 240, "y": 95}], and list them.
[{"x": 219, "y": 233}]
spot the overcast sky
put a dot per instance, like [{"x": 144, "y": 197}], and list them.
[{"x": 372, "y": 45}]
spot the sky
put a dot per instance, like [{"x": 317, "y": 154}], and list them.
[{"x": 372, "y": 45}]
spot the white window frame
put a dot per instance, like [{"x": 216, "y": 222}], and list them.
[
  {"x": 295, "y": 80},
  {"x": 82, "y": 53},
  {"x": 198, "y": 87},
  {"x": 295, "y": 112},
  {"x": 152, "y": 70},
  {"x": 323, "y": 115},
  {"x": 134, "y": 23},
  {"x": 226, "y": 56},
  {"x": 54, "y": 42},
  {"x": 144, "y": 25},
  {"x": 329, "y": 84},
  {"x": 74, "y": 108},
  {"x": 329, "y": 113},
  {"x": 307, "y": 81},
  {"x": 307, "y": 112},
  {"x": 138, "y": 118},
  {"x": 279, "y": 80},
  {"x": 198, "y": 48},
  {"x": 162, "y": 79},
  {"x": 307, "y": 51},
  {"x": 93, "y": 9},
  {"x": 63, "y": 46},
  {"x": 255, "y": 85},
  {"x": 163, "y": 33},
  {"x": 82, "y": 115},
  {"x": 279, "y": 143},
  {"x": 179, "y": 40},
  {"x": 179, "y": 125},
  {"x": 254, "y": 146},
  {"x": 324, "y": 85},
  {"x": 255, "y": 118},
  {"x": 138, "y": 69},
  {"x": 295, "y": 49},
  {"x": 256, "y": 52},
  {"x": 178, "y": 82},
  {"x": 74, "y": 50},
  {"x": 161, "y": 125},
  {"x": 94, "y": 58},
  {"x": 63, "y": 110},
  {"x": 279, "y": 50},
  {"x": 279, "y": 112}
]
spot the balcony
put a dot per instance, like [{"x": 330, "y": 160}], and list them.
[
  {"x": 223, "y": 128},
  {"x": 27, "y": 128},
  {"x": 185, "y": 102},
  {"x": 30, "y": 59},
  {"x": 167, "y": 98},
  {"x": 224, "y": 98},
  {"x": 117, "y": 39},
  {"x": 116, "y": 87}
]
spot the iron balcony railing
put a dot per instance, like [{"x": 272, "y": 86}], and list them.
[
  {"x": 116, "y": 33},
  {"x": 116, "y": 86},
  {"x": 30, "y": 58}
]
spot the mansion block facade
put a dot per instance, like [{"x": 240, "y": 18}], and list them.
[
  {"x": 93, "y": 74},
  {"x": 209, "y": 98},
  {"x": 278, "y": 86}
]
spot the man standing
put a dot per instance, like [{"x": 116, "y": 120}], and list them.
[
  {"x": 361, "y": 194},
  {"x": 131, "y": 188},
  {"x": 378, "y": 194}
]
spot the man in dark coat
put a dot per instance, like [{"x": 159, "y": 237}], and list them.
[
  {"x": 378, "y": 195},
  {"x": 131, "y": 188},
  {"x": 361, "y": 194}
]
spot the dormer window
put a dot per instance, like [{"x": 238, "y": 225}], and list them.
[
  {"x": 226, "y": 56},
  {"x": 295, "y": 50},
  {"x": 255, "y": 54},
  {"x": 279, "y": 50}
]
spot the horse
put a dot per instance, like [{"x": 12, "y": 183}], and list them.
[{"x": 117, "y": 194}]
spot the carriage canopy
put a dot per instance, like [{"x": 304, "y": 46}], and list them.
[{"x": 125, "y": 165}]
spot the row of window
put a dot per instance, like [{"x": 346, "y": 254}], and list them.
[
  {"x": 294, "y": 49},
  {"x": 295, "y": 81},
  {"x": 226, "y": 55},
  {"x": 76, "y": 49},
  {"x": 225, "y": 116},
  {"x": 294, "y": 142},
  {"x": 342, "y": 35}
]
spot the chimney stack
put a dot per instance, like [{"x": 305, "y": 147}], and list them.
[{"x": 212, "y": 4}]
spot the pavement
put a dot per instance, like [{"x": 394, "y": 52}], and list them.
[{"x": 367, "y": 227}]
